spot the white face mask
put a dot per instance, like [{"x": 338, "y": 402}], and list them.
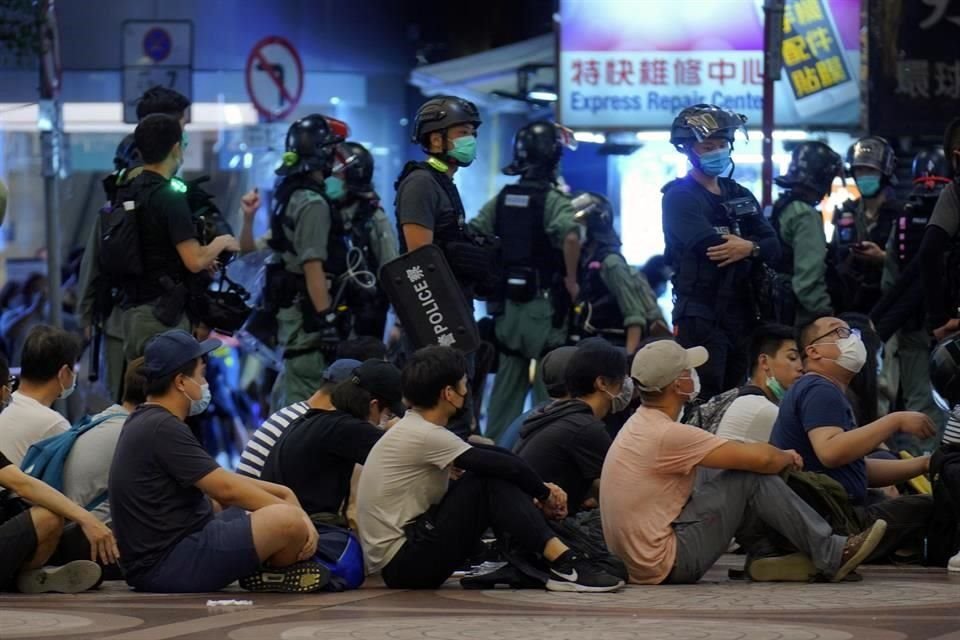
[
  {"x": 853, "y": 353},
  {"x": 66, "y": 392},
  {"x": 692, "y": 396},
  {"x": 622, "y": 400},
  {"x": 199, "y": 406}
]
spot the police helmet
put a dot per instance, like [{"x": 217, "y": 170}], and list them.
[
  {"x": 593, "y": 210},
  {"x": 127, "y": 156},
  {"x": 945, "y": 372},
  {"x": 930, "y": 169},
  {"x": 311, "y": 144},
  {"x": 356, "y": 165},
  {"x": 813, "y": 165},
  {"x": 441, "y": 113},
  {"x": 874, "y": 152},
  {"x": 701, "y": 121},
  {"x": 538, "y": 147}
]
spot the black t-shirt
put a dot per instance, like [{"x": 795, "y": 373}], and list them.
[
  {"x": 316, "y": 455},
  {"x": 153, "y": 500},
  {"x": 163, "y": 222},
  {"x": 568, "y": 449}
]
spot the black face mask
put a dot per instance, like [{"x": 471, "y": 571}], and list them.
[{"x": 461, "y": 410}]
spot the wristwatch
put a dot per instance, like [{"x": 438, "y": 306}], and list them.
[{"x": 756, "y": 251}]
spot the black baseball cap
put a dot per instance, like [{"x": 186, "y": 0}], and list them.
[
  {"x": 171, "y": 350},
  {"x": 382, "y": 379}
]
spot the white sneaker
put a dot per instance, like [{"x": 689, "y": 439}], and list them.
[{"x": 953, "y": 566}]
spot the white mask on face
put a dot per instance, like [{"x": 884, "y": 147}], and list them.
[
  {"x": 693, "y": 395},
  {"x": 66, "y": 392},
  {"x": 853, "y": 353}
]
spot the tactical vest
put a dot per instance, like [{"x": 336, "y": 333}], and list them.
[
  {"x": 281, "y": 224},
  {"x": 604, "y": 316},
  {"x": 911, "y": 224},
  {"x": 361, "y": 230},
  {"x": 519, "y": 224},
  {"x": 786, "y": 250},
  {"x": 449, "y": 223}
]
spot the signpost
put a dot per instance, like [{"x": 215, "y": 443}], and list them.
[
  {"x": 274, "y": 76},
  {"x": 155, "y": 53},
  {"x": 50, "y": 123}
]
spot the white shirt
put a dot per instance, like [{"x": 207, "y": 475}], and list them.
[
  {"x": 86, "y": 470},
  {"x": 749, "y": 419},
  {"x": 26, "y": 422},
  {"x": 405, "y": 474}
]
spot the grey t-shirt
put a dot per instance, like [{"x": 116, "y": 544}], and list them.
[
  {"x": 946, "y": 214},
  {"x": 86, "y": 470},
  {"x": 419, "y": 200}
]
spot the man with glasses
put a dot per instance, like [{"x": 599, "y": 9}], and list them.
[{"x": 817, "y": 421}]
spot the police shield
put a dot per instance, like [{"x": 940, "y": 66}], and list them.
[{"x": 428, "y": 300}]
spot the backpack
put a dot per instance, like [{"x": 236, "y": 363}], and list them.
[
  {"x": 45, "y": 459},
  {"x": 119, "y": 255},
  {"x": 828, "y": 498},
  {"x": 708, "y": 415},
  {"x": 339, "y": 551}
]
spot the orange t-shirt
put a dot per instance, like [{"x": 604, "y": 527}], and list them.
[{"x": 647, "y": 478}]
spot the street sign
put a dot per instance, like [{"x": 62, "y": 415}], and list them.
[
  {"x": 155, "y": 53},
  {"x": 274, "y": 76}
]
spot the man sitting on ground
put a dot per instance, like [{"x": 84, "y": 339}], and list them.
[
  {"x": 776, "y": 366},
  {"x": 553, "y": 368},
  {"x": 667, "y": 532},
  {"x": 315, "y": 457},
  {"x": 416, "y": 530},
  {"x": 163, "y": 485},
  {"x": 567, "y": 441},
  {"x": 817, "y": 420},
  {"x": 265, "y": 437},
  {"x": 47, "y": 374}
]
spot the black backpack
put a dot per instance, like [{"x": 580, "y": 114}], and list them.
[{"x": 120, "y": 257}]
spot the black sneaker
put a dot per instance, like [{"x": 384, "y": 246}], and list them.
[
  {"x": 571, "y": 572},
  {"x": 74, "y": 577},
  {"x": 302, "y": 577}
]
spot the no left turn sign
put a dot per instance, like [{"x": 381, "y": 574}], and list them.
[{"x": 274, "y": 77}]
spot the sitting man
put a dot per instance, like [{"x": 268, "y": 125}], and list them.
[
  {"x": 163, "y": 486},
  {"x": 86, "y": 470},
  {"x": 265, "y": 437},
  {"x": 416, "y": 529},
  {"x": 817, "y": 420},
  {"x": 46, "y": 375},
  {"x": 667, "y": 532},
  {"x": 567, "y": 441},
  {"x": 553, "y": 368},
  {"x": 776, "y": 366},
  {"x": 316, "y": 456}
]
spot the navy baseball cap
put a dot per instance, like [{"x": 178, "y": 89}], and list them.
[
  {"x": 340, "y": 370},
  {"x": 382, "y": 379},
  {"x": 171, "y": 350}
]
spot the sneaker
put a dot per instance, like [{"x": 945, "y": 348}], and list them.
[
  {"x": 795, "y": 567},
  {"x": 74, "y": 577},
  {"x": 571, "y": 572},
  {"x": 857, "y": 549},
  {"x": 302, "y": 577},
  {"x": 953, "y": 565}
]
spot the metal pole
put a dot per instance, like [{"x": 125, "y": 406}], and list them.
[
  {"x": 772, "y": 52},
  {"x": 51, "y": 138}
]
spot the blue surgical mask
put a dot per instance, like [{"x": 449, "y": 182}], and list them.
[
  {"x": 464, "y": 150},
  {"x": 334, "y": 187},
  {"x": 713, "y": 163},
  {"x": 66, "y": 392},
  {"x": 869, "y": 186},
  {"x": 199, "y": 406},
  {"x": 185, "y": 140}
]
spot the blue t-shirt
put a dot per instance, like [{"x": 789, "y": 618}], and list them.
[{"x": 813, "y": 402}]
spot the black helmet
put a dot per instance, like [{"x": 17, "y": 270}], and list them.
[
  {"x": 930, "y": 169},
  {"x": 538, "y": 146},
  {"x": 127, "y": 156},
  {"x": 441, "y": 113},
  {"x": 874, "y": 152},
  {"x": 356, "y": 164},
  {"x": 813, "y": 165},
  {"x": 945, "y": 371},
  {"x": 951, "y": 146},
  {"x": 311, "y": 144},
  {"x": 593, "y": 210},
  {"x": 701, "y": 121}
]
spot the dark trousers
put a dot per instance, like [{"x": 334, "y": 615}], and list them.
[
  {"x": 728, "y": 363},
  {"x": 908, "y": 521},
  {"x": 441, "y": 540}
]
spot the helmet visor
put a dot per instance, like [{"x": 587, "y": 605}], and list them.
[
  {"x": 344, "y": 159},
  {"x": 583, "y": 206},
  {"x": 338, "y": 128},
  {"x": 708, "y": 124},
  {"x": 565, "y": 137}
]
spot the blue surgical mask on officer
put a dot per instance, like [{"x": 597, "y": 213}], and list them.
[
  {"x": 334, "y": 187},
  {"x": 714, "y": 163}
]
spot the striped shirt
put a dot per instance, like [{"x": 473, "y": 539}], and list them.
[
  {"x": 263, "y": 439},
  {"x": 952, "y": 433}
]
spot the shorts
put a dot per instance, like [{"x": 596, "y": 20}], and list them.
[
  {"x": 208, "y": 560},
  {"x": 18, "y": 543}
]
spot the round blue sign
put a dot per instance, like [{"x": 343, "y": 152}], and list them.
[{"x": 157, "y": 44}]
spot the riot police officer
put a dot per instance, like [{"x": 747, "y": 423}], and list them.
[
  {"x": 616, "y": 302},
  {"x": 715, "y": 234},
  {"x": 541, "y": 251},
  {"x": 799, "y": 225},
  {"x": 372, "y": 237},
  {"x": 862, "y": 227},
  {"x": 310, "y": 251}
]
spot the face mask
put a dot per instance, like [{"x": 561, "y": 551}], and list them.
[
  {"x": 66, "y": 393},
  {"x": 199, "y": 406},
  {"x": 334, "y": 188},
  {"x": 869, "y": 186},
  {"x": 622, "y": 400},
  {"x": 461, "y": 410},
  {"x": 853, "y": 354},
  {"x": 692, "y": 396},
  {"x": 713, "y": 163},
  {"x": 185, "y": 141},
  {"x": 775, "y": 388},
  {"x": 464, "y": 150}
]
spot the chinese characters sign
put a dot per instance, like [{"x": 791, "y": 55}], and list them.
[{"x": 636, "y": 63}]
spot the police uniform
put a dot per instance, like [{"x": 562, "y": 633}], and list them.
[
  {"x": 373, "y": 235},
  {"x": 618, "y": 296},
  {"x": 804, "y": 245},
  {"x": 533, "y": 219}
]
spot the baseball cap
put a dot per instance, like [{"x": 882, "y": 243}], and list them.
[
  {"x": 340, "y": 370},
  {"x": 553, "y": 369},
  {"x": 382, "y": 379},
  {"x": 661, "y": 362},
  {"x": 171, "y": 350}
]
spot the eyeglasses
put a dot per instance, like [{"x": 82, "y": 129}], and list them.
[{"x": 842, "y": 332}]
